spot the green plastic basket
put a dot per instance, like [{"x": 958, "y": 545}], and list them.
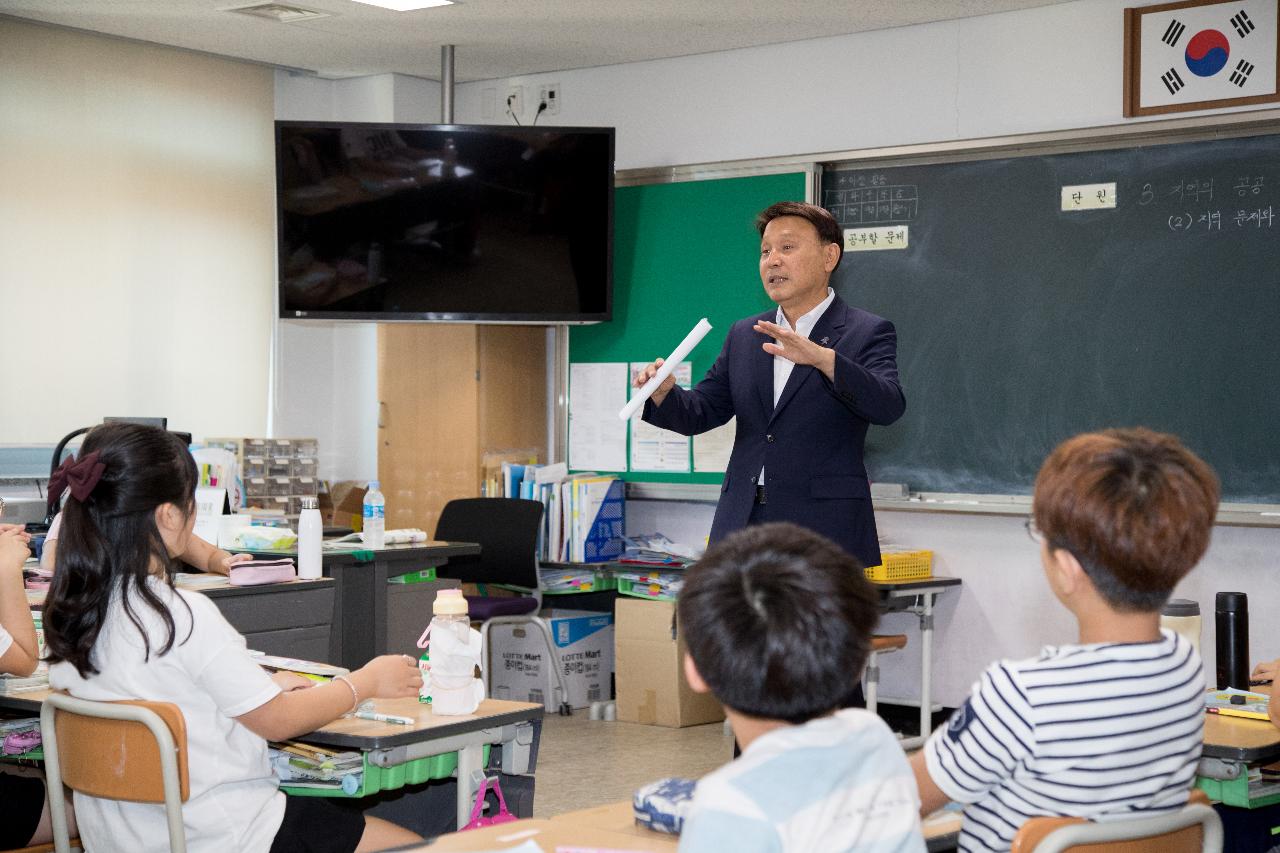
[
  {"x": 636, "y": 589},
  {"x": 375, "y": 779}
]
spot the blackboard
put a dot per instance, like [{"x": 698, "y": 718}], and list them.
[
  {"x": 1021, "y": 324},
  {"x": 683, "y": 251}
]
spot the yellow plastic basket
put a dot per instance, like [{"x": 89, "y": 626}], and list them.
[{"x": 902, "y": 566}]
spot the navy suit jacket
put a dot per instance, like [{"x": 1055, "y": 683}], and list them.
[{"x": 810, "y": 446}]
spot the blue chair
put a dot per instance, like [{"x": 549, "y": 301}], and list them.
[{"x": 507, "y": 530}]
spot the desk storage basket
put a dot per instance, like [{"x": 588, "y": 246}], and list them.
[
  {"x": 374, "y": 778},
  {"x": 902, "y": 566},
  {"x": 643, "y": 589}
]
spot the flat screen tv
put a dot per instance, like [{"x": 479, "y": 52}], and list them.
[{"x": 461, "y": 223}]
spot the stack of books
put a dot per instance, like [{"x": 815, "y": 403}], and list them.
[
  {"x": 302, "y": 765},
  {"x": 38, "y": 680},
  {"x": 655, "y": 549}
]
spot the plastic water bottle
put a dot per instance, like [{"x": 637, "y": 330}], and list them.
[
  {"x": 375, "y": 517},
  {"x": 310, "y": 531}
]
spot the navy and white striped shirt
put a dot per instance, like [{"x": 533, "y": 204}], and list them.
[{"x": 1093, "y": 731}]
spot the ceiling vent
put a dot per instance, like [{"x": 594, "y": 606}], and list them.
[{"x": 279, "y": 12}]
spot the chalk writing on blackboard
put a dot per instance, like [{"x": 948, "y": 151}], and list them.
[
  {"x": 1198, "y": 190},
  {"x": 871, "y": 202},
  {"x": 1211, "y": 220}
]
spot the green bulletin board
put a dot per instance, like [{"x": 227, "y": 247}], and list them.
[{"x": 682, "y": 251}]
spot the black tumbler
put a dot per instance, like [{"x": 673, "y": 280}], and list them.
[{"x": 1231, "y": 616}]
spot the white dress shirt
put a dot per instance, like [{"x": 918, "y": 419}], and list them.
[{"x": 783, "y": 366}]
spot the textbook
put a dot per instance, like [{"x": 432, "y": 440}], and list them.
[
  {"x": 1251, "y": 705},
  {"x": 310, "y": 669}
]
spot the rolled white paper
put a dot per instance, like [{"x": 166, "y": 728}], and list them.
[{"x": 678, "y": 355}]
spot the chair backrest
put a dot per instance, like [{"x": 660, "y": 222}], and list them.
[
  {"x": 507, "y": 530},
  {"x": 113, "y": 749},
  {"x": 1195, "y": 828},
  {"x": 127, "y": 750}
]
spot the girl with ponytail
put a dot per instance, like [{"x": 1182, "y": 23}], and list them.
[{"x": 117, "y": 628}]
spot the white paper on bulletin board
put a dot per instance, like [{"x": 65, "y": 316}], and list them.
[
  {"x": 711, "y": 449},
  {"x": 597, "y": 439},
  {"x": 655, "y": 449}
]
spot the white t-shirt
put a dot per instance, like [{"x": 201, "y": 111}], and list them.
[
  {"x": 834, "y": 784},
  {"x": 235, "y": 801},
  {"x": 6, "y": 640}
]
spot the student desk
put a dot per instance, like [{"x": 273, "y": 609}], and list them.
[
  {"x": 360, "y": 604},
  {"x": 293, "y": 620},
  {"x": 918, "y": 597},
  {"x": 514, "y": 725},
  {"x": 1231, "y": 744}
]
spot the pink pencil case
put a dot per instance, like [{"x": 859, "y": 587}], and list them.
[{"x": 262, "y": 571}]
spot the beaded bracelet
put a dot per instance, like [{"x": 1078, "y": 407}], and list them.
[{"x": 355, "y": 697}]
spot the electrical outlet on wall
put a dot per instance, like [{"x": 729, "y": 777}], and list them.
[
  {"x": 515, "y": 101},
  {"x": 549, "y": 94}
]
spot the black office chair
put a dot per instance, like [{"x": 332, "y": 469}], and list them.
[{"x": 507, "y": 530}]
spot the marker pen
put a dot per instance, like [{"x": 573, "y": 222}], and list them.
[{"x": 385, "y": 718}]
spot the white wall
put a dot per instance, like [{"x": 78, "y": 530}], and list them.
[
  {"x": 1044, "y": 69},
  {"x": 137, "y": 234}
]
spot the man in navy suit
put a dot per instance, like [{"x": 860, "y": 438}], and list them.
[{"x": 805, "y": 382}]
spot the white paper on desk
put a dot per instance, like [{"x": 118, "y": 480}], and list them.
[
  {"x": 654, "y": 448},
  {"x": 597, "y": 439}
]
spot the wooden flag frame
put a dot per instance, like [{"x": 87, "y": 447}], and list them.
[{"x": 1133, "y": 71}]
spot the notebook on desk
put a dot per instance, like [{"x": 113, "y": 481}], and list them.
[{"x": 1238, "y": 703}]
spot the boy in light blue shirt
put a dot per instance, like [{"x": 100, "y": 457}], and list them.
[{"x": 778, "y": 623}]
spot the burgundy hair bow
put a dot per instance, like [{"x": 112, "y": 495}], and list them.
[{"x": 78, "y": 475}]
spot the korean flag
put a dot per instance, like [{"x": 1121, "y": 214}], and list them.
[{"x": 1208, "y": 52}]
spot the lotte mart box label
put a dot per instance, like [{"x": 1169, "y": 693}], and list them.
[{"x": 584, "y": 644}]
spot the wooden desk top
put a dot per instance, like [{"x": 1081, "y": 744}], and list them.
[
  {"x": 355, "y": 552},
  {"x": 616, "y": 817},
  {"x": 354, "y": 733},
  {"x": 214, "y": 586},
  {"x": 1240, "y": 739},
  {"x": 611, "y": 827}
]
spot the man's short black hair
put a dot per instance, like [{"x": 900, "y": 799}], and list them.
[
  {"x": 819, "y": 217},
  {"x": 778, "y": 621}
]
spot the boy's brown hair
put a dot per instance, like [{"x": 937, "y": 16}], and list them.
[{"x": 1134, "y": 506}]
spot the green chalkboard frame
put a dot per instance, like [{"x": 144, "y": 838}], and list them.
[{"x": 683, "y": 250}]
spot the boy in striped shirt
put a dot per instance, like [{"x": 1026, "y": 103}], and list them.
[
  {"x": 1112, "y": 724},
  {"x": 778, "y": 621}
]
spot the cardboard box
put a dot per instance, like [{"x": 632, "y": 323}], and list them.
[
  {"x": 342, "y": 503},
  {"x": 650, "y": 660},
  {"x": 584, "y": 641}
]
